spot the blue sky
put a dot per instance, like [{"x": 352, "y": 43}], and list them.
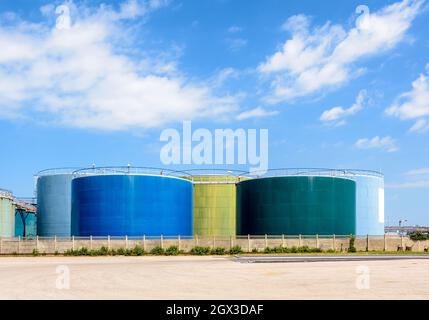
[{"x": 335, "y": 88}]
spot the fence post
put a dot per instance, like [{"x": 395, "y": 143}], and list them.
[
  {"x": 37, "y": 243},
  {"x": 402, "y": 241},
  {"x": 1, "y": 245},
  {"x": 144, "y": 242},
  {"x": 367, "y": 242},
  {"x": 178, "y": 240},
  {"x": 317, "y": 241},
  {"x": 299, "y": 241},
  {"x": 108, "y": 243},
  {"x": 72, "y": 243},
  {"x": 126, "y": 242},
  {"x": 334, "y": 247},
  {"x": 196, "y": 239},
  {"x": 248, "y": 243},
  {"x": 231, "y": 243},
  {"x": 266, "y": 241},
  {"x": 384, "y": 244},
  {"x": 19, "y": 243},
  {"x": 55, "y": 243},
  {"x": 90, "y": 242},
  {"x": 283, "y": 240},
  {"x": 162, "y": 241}
]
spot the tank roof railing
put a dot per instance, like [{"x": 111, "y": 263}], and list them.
[
  {"x": 347, "y": 173},
  {"x": 190, "y": 173},
  {"x": 29, "y": 200},
  {"x": 25, "y": 206},
  {"x": 55, "y": 171},
  {"x": 6, "y": 193},
  {"x": 215, "y": 171},
  {"x": 217, "y": 175},
  {"x": 131, "y": 170}
]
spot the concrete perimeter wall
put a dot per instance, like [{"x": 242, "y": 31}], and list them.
[{"x": 247, "y": 243}]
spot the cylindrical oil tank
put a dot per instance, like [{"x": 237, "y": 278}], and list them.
[
  {"x": 215, "y": 204},
  {"x": 7, "y": 214},
  {"x": 294, "y": 205},
  {"x": 30, "y": 221},
  {"x": 54, "y": 202},
  {"x": 25, "y": 217},
  {"x": 369, "y": 202},
  {"x": 132, "y": 205}
]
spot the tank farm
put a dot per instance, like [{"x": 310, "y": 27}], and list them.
[{"x": 139, "y": 201}]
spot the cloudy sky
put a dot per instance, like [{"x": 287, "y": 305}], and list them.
[{"x": 343, "y": 85}]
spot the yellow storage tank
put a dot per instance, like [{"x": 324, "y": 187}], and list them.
[{"x": 215, "y": 203}]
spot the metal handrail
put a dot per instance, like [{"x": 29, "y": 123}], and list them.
[
  {"x": 130, "y": 170},
  {"x": 347, "y": 173},
  {"x": 4, "y": 193},
  {"x": 55, "y": 171},
  {"x": 224, "y": 176}
]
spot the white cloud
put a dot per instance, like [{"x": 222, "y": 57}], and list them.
[
  {"x": 418, "y": 177},
  {"x": 223, "y": 76},
  {"x": 386, "y": 143},
  {"x": 414, "y": 104},
  {"x": 234, "y": 29},
  {"x": 236, "y": 44},
  {"x": 326, "y": 56},
  {"x": 91, "y": 76},
  {"x": 297, "y": 24},
  {"x": 336, "y": 115},
  {"x": 256, "y": 113},
  {"x": 421, "y": 125},
  {"x": 418, "y": 172}
]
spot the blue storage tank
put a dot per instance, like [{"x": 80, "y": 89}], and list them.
[
  {"x": 54, "y": 202},
  {"x": 369, "y": 203},
  {"x": 131, "y": 204}
]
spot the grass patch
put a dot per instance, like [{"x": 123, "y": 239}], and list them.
[
  {"x": 200, "y": 251},
  {"x": 157, "y": 251}
]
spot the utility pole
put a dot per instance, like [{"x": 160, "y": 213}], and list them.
[{"x": 400, "y": 224}]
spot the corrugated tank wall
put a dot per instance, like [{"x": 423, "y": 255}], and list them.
[
  {"x": 132, "y": 205},
  {"x": 7, "y": 215},
  {"x": 369, "y": 205},
  {"x": 295, "y": 205},
  {"x": 54, "y": 205},
  {"x": 214, "y": 205},
  {"x": 30, "y": 224}
]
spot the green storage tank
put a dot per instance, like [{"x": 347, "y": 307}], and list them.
[
  {"x": 7, "y": 214},
  {"x": 215, "y": 205},
  {"x": 294, "y": 205}
]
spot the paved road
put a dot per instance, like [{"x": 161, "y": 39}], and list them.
[
  {"x": 188, "y": 277},
  {"x": 327, "y": 258}
]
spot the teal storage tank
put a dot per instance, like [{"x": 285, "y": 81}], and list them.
[
  {"x": 7, "y": 214},
  {"x": 25, "y": 224},
  {"x": 25, "y": 217},
  {"x": 293, "y": 205}
]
